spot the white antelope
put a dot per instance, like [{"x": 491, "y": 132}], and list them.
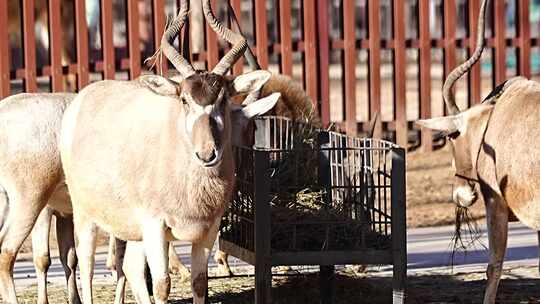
[
  {"x": 495, "y": 152},
  {"x": 31, "y": 178},
  {"x": 160, "y": 154}
]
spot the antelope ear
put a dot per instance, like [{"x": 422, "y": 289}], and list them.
[
  {"x": 159, "y": 85},
  {"x": 242, "y": 114},
  {"x": 446, "y": 124},
  {"x": 249, "y": 82}
]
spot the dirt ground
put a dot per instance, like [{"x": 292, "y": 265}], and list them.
[{"x": 519, "y": 285}]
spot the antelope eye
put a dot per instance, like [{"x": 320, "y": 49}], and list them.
[
  {"x": 184, "y": 101},
  {"x": 453, "y": 135}
]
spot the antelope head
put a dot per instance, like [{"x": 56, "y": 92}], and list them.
[
  {"x": 461, "y": 128},
  {"x": 209, "y": 117}
]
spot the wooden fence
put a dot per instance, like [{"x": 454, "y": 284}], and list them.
[{"x": 340, "y": 53}]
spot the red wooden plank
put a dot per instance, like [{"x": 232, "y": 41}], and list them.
[
  {"x": 261, "y": 33},
  {"x": 212, "y": 46},
  {"x": 81, "y": 29},
  {"x": 55, "y": 33},
  {"x": 425, "y": 73},
  {"x": 500, "y": 41},
  {"x": 374, "y": 65},
  {"x": 238, "y": 67},
  {"x": 524, "y": 38},
  {"x": 107, "y": 39},
  {"x": 475, "y": 94},
  {"x": 349, "y": 39},
  {"x": 134, "y": 39},
  {"x": 159, "y": 28},
  {"x": 285, "y": 36},
  {"x": 324, "y": 60},
  {"x": 4, "y": 51},
  {"x": 310, "y": 55},
  {"x": 400, "y": 64},
  {"x": 29, "y": 46},
  {"x": 449, "y": 38}
]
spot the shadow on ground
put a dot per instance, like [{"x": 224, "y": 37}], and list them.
[{"x": 516, "y": 287}]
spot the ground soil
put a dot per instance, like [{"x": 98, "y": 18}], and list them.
[{"x": 519, "y": 285}]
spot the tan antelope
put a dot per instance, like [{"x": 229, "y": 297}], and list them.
[
  {"x": 30, "y": 178},
  {"x": 160, "y": 154},
  {"x": 494, "y": 152}
]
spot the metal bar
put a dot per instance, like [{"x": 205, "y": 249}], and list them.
[
  {"x": 374, "y": 65},
  {"x": 159, "y": 29},
  {"x": 4, "y": 51},
  {"x": 399, "y": 228},
  {"x": 449, "y": 38},
  {"x": 56, "y": 48},
  {"x": 107, "y": 42},
  {"x": 261, "y": 33},
  {"x": 474, "y": 82},
  {"x": 263, "y": 269},
  {"x": 81, "y": 30},
  {"x": 212, "y": 48},
  {"x": 310, "y": 52},
  {"x": 524, "y": 38},
  {"x": 324, "y": 60},
  {"x": 349, "y": 33},
  {"x": 29, "y": 46},
  {"x": 425, "y": 73},
  {"x": 500, "y": 42},
  {"x": 285, "y": 38},
  {"x": 235, "y": 10},
  {"x": 400, "y": 64},
  {"x": 134, "y": 39}
]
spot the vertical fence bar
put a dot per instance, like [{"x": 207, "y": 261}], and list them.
[
  {"x": 4, "y": 51},
  {"x": 474, "y": 85},
  {"x": 524, "y": 38},
  {"x": 349, "y": 40},
  {"x": 324, "y": 61},
  {"x": 56, "y": 45},
  {"x": 238, "y": 67},
  {"x": 285, "y": 36},
  {"x": 310, "y": 52},
  {"x": 133, "y": 39},
  {"x": 159, "y": 28},
  {"x": 500, "y": 41},
  {"x": 81, "y": 33},
  {"x": 449, "y": 38},
  {"x": 29, "y": 46},
  {"x": 261, "y": 33},
  {"x": 425, "y": 72},
  {"x": 400, "y": 64},
  {"x": 263, "y": 268},
  {"x": 374, "y": 64},
  {"x": 212, "y": 48},
  {"x": 107, "y": 42},
  {"x": 399, "y": 227}
]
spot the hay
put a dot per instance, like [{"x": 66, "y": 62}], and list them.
[{"x": 463, "y": 241}]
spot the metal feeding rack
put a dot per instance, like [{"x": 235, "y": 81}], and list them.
[{"x": 311, "y": 197}]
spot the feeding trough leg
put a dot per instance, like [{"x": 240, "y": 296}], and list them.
[
  {"x": 399, "y": 234},
  {"x": 263, "y": 267}
]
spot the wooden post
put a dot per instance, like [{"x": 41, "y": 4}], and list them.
[
  {"x": 425, "y": 73},
  {"x": 81, "y": 28},
  {"x": 4, "y": 51},
  {"x": 399, "y": 227}
]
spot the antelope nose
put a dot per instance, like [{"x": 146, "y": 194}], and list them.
[{"x": 207, "y": 156}]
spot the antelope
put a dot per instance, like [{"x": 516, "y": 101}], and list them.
[
  {"x": 32, "y": 189},
  {"x": 494, "y": 152},
  {"x": 159, "y": 153}
]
